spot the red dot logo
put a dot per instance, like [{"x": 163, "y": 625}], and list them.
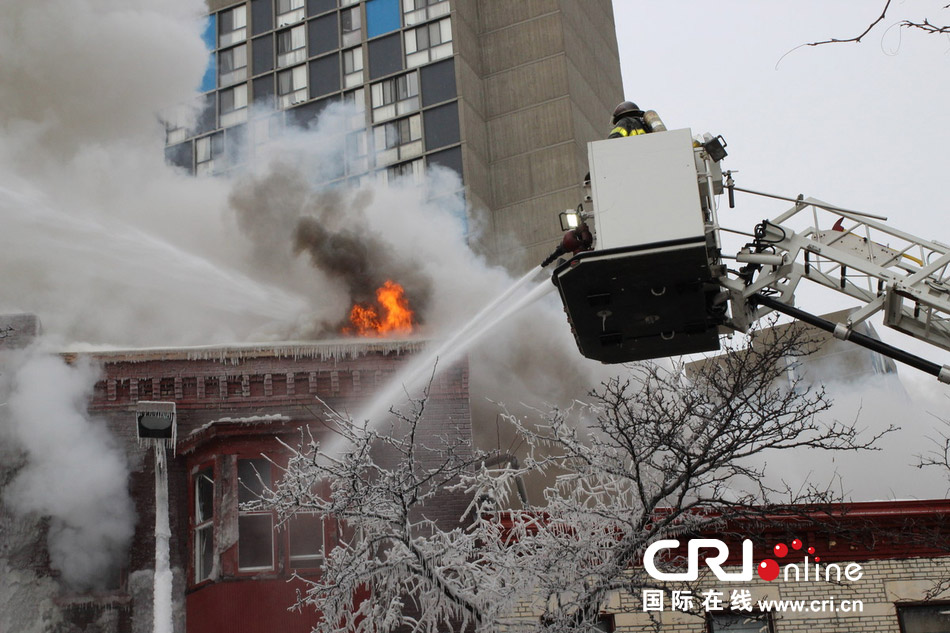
[
  {"x": 768, "y": 570},
  {"x": 797, "y": 544},
  {"x": 817, "y": 559},
  {"x": 811, "y": 550},
  {"x": 780, "y": 550}
]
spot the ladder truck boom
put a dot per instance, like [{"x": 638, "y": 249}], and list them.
[{"x": 655, "y": 285}]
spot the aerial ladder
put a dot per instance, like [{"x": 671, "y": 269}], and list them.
[{"x": 656, "y": 283}]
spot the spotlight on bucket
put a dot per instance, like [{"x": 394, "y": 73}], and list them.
[{"x": 156, "y": 422}]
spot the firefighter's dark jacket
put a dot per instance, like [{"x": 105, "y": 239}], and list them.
[{"x": 628, "y": 126}]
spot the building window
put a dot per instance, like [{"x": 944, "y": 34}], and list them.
[
  {"x": 351, "y": 24},
  {"x": 204, "y": 524},
  {"x": 232, "y": 106},
  {"x": 398, "y": 140},
  {"x": 395, "y": 97},
  {"x": 357, "y": 160},
  {"x": 255, "y": 528},
  {"x": 413, "y": 171},
  {"x": 232, "y": 65},
  {"x": 289, "y": 12},
  {"x": 727, "y": 622},
  {"x": 207, "y": 149},
  {"x": 232, "y": 26},
  {"x": 291, "y": 46},
  {"x": 428, "y": 43},
  {"x": 924, "y": 618},
  {"x": 177, "y": 120},
  {"x": 263, "y": 130},
  {"x": 382, "y": 16},
  {"x": 419, "y": 11},
  {"x": 305, "y": 530},
  {"x": 292, "y": 87},
  {"x": 353, "y": 67},
  {"x": 355, "y": 101}
]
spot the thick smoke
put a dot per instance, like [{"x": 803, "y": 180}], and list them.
[
  {"x": 75, "y": 472},
  {"x": 291, "y": 222},
  {"x": 111, "y": 246},
  {"x": 99, "y": 236}
]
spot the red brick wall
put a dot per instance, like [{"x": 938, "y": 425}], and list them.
[{"x": 237, "y": 382}]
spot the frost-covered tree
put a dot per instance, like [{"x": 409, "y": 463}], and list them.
[{"x": 657, "y": 453}]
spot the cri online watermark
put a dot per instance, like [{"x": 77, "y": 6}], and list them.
[{"x": 810, "y": 570}]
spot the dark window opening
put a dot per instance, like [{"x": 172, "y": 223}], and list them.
[
  {"x": 305, "y": 530},
  {"x": 924, "y": 618}
]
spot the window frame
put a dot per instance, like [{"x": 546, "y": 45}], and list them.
[
  {"x": 294, "y": 12},
  {"x": 395, "y": 96},
  {"x": 201, "y": 524},
  {"x": 353, "y": 65},
  {"x": 351, "y": 35},
  {"x": 901, "y": 607},
  {"x": 236, "y": 18},
  {"x": 242, "y": 490},
  {"x": 398, "y": 140},
  {"x": 236, "y": 110},
  {"x": 419, "y": 11},
  {"x": 769, "y": 620},
  {"x": 314, "y": 561},
  {"x": 294, "y": 94},
  {"x": 411, "y": 171},
  {"x": 420, "y": 47},
  {"x": 296, "y": 54},
  {"x": 207, "y": 150},
  {"x": 237, "y": 73}
]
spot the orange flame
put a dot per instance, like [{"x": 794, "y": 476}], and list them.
[{"x": 391, "y": 316}]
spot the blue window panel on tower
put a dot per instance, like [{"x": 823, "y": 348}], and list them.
[
  {"x": 382, "y": 16},
  {"x": 210, "y": 37}
]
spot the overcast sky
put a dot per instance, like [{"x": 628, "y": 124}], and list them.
[{"x": 863, "y": 126}]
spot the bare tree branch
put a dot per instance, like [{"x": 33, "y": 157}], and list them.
[{"x": 858, "y": 37}]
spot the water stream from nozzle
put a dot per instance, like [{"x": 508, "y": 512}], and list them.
[{"x": 419, "y": 369}]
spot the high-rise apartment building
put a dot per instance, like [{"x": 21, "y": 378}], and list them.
[{"x": 507, "y": 94}]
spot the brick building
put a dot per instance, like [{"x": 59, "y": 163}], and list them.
[
  {"x": 880, "y": 567},
  {"x": 231, "y": 568}
]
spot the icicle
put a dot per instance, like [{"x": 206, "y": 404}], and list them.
[{"x": 162, "y": 588}]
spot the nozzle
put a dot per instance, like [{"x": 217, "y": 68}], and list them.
[{"x": 550, "y": 258}]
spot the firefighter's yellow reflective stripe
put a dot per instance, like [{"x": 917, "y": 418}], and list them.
[{"x": 622, "y": 131}]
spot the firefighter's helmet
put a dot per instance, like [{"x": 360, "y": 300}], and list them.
[{"x": 627, "y": 108}]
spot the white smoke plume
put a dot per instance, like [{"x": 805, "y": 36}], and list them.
[
  {"x": 111, "y": 246},
  {"x": 75, "y": 472}
]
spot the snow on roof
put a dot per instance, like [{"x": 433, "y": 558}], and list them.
[
  {"x": 248, "y": 420},
  {"x": 334, "y": 349}
]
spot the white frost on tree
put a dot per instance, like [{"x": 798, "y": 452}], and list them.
[{"x": 653, "y": 455}]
